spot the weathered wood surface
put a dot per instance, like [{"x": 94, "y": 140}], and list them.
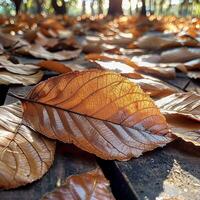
[{"x": 160, "y": 174}]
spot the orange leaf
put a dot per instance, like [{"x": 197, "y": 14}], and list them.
[
  {"x": 100, "y": 112},
  {"x": 54, "y": 66}
]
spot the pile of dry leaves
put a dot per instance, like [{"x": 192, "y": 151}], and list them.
[{"x": 110, "y": 99}]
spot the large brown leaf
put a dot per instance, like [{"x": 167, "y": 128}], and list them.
[
  {"x": 91, "y": 185},
  {"x": 100, "y": 112},
  {"x": 186, "y": 104},
  {"x": 38, "y": 51},
  {"x": 7, "y": 78},
  {"x": 25, "y": 156}
]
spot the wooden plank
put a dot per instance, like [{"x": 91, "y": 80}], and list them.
[
  {"x": 163, "y": 173},
  {"x": 68, "y": 160},
  {"x": 181, "y": 81},
  {"x": 171, "y": 171}
]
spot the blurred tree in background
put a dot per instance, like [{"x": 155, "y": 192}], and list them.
[{"x": 93, "y": 7}]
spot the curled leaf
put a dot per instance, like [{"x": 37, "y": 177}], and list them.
[
  {"x": 193, "y": 64},
  {"x": 19, "y": 68},
  {"x": 182, "y": 111},
  {"x": 184, "y": 128},
  {"x": 176, "y": 55},
  {"x": 155, "y": 87},
  {"x": 90, "y": 185},
  {"x": 25, "y": 156},
  {"x": 157, "y": 42},
  {"x": 125, "y": 65},
  {"x": 7, "y": 78},
  {"x": 100, "y": 112},
  {"x": 38, "y": 51},
  {"x": 184, "y": 104}
]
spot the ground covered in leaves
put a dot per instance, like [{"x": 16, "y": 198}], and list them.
[{"x": 111, "y": 99}]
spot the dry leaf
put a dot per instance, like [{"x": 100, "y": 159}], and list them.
[
  {"x": 194, "y": 74},
  {"x": 185, "y": 128},
  {"x": 157, "y": 42},
  {"x": 23, "y": 69},
  {"x": 7, "y": 78},
  {"x": 186, "y": 104},
  {"x": 155, "y": 87},
  {"x": 9, "y": 41},
  {"x": 154, "y": 61},
  {"x": 25, "y": 155},
  {"x": 100, "y": 112},
  {"x": 177, "y": 55},
  {"x": 91, "y": 185},
  {"x": 182, "y": 111},
  {"x": 125, "y": 65},
  {"x": 54, "y": 66},
  {"x": 193, "y": 64},
  {"x": 38, "y": 51}
]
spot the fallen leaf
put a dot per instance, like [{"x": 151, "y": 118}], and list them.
[
  {"x": 194, "y": 74},
  {"x": 90, "y": 185},
  {"x": 10, "y": 41},
  {"x": 154, "y": 61},
  {"x": 182, "y": 111},
  {"x": 184, "y": 128},
  {"x": 100, "y": 112},
  {"x": 176, "y": 55},
  {"x": 157, "y": 42},
  {"x": 7, "y": 78},
  {"x": 155, "y": 87},
  {"x": 193, "y": 64},
  {"x": 23, "y": 69},
  {"x": 184, "y": 104},
  {"x": 54, "y": 66},
  {"x": 121, "y": 67},
  {"x": 25, "y": 155},
  {"x": 38, "y": 51}
]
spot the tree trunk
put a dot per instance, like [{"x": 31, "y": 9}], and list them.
[
  {"x": 39, "y": 4},
  {"x": 143, "y": 10},
  {"x": 100, "y": 7},
  {"x": 83, "y": 7},
  {"x": 154, "y": 7},
  {"x": 169, "y": 6},
  {"x": 161, "y": 6},
  {"x": 130, "y": 8},
  {"x": 150, "y": 6},
  {"x": 136, "y": 9},
  {"x": 59, "y": 9},
  {"x": 92, "y": 7},
  {"x": 115, "y": 7},
  {"x": 17, "y": 5}
]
